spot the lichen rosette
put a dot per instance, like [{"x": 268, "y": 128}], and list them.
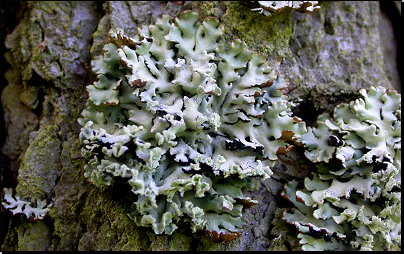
[
  {"x": 187, "y": 121},
  {"x": 353, "y": 200}
]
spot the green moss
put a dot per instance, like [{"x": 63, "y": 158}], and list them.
[
  {"x": 130, "y": 242},
  {"x": 350, "y": 8},
  {"x": 269, "y": 35},
  {"x": 180, "y": 241},
  {"x": 33, "y": 236},
  {"x": 40, "y": 165},
  {"x": 107, "y": 222},
  {"x": 106, "y": 238},
  {"x": 208, "y": 8},
  {"x": 100, "y": 37},
  {"x": 30, "y": 97},
  {"x": 20, "y": 121},
  {"x": 158, "y": 243}
]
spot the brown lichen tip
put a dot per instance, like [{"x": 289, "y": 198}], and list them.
[
  {"x": 137, "y": 83},
  {"x": 287, "y": 135},
  {"x": 284, "y": 150},
  {"x": 223, "y": 237},
  {"x": 120, "y": 39},
  {"x": 305, "y": 7},
  {"x": 284, "y": 193},
  {"x": 247, "y": 202}
]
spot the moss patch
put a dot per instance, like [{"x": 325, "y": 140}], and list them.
[
  {"x": 269, "y": 35},
  {"x": 33, "y": 236},
  {"x": 40, "y": 165}
]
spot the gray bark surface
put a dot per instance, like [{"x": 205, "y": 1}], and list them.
[{"x": 327, "y": 56}]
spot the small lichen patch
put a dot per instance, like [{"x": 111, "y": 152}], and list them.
[
  {"x": 277, "y": 6},
  {"x": 353, "y": 201},
  {"x": 16, "y": 205}
]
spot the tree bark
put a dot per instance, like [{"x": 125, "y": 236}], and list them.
[{"x": 326, "y": 56}]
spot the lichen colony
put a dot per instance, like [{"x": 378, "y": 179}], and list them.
[{"x": 187, "y": 120}]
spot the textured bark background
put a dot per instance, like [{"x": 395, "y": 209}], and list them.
[{"x": 327, "y": 56}]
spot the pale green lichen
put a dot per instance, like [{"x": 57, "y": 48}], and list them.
[
  {"x": 278, "y": 6},
  {"x": 16, "y": 205},
  {"x": 353, "y": 201},
  {"x": 187, "y": 120}
]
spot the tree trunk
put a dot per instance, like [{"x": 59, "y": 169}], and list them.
[{"x": 326, "y": 56}]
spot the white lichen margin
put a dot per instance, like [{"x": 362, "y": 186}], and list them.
[
  {"x": 277, "y": 6},
  {"x": 16, "y": 205}
]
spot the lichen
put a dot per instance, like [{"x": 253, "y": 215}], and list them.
[
  {"x": 278, "y": 6},
  {"x": 353, "y": 200},
  {"x": 16, "y": 205},
  {"x": 187, "y": 120}
]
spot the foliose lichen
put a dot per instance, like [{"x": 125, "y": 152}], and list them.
[
  {"x": 353, "y": 200},
  {"x": 16, "y": 205},
  {"x": 277, "y": 6},
  {"x": 187, "y": 120}
]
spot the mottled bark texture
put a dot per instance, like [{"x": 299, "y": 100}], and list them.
[{"x": 327, "y": 56}]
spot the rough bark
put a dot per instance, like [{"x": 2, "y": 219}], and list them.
[{"x": 327, "y": 56}]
